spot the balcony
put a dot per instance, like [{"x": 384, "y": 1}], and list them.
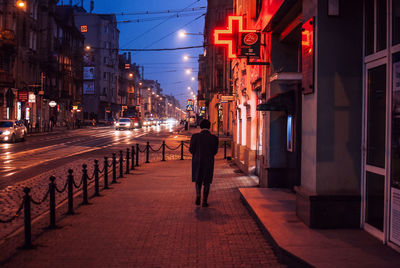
[{"x": 7, "y": 40}]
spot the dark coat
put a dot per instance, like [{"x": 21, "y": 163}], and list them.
[{"x": 203, "y": 147}]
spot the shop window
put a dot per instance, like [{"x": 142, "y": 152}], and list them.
[
  {"x": 395, "y": 163},
  {"x": 396, "y": 22},
  {"x": 376, "y": 109},
  {"x": 381, "y": 25},
  {"x": 375, "y": 26}
]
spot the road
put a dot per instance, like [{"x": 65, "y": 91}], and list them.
[{"x": 39, "y": 153}]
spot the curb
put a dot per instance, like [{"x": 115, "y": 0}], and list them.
[{"x": 284, "y": 256}]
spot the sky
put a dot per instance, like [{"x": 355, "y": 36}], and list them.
[{"x": 160, "y": 31}]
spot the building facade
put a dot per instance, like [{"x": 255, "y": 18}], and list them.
[
  {"x": 318, "y": 111},
  {"x": 100, "y": 95},
  {"x": 40, "y": 63}
]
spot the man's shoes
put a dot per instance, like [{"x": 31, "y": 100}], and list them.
[
  {"x": 197, "y": 201},
  {"x": 205, "y": 204}
]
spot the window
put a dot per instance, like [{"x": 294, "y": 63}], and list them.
[
  {"x": 375, "y": 26},
  {"x": 396, "y": 22},
  {"x": 105, "y": 76}
]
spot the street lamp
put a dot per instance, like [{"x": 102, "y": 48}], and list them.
[
  {"x": 188, "y": 71},
  {"x": 193, "y": 78},
  {"x": 189, "y": 88},
  {"x": 182, "y": 33},
  {"x": 20, "y": 4}
]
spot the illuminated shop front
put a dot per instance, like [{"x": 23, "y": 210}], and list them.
[{"x": 381, "y": 125}]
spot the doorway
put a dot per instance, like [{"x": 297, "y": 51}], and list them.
[{"x": 374, "y": 149}]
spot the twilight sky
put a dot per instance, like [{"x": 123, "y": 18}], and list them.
[{"x": 168, "y": 67}]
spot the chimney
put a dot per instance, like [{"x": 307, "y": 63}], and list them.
[{"x": 91, "y": 5}]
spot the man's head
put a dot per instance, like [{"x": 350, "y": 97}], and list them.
[{"x": 205, "y": 124}]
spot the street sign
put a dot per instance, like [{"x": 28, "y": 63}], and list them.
[
  {"x": 189, "y": 107},
  {"x": 226, "y": 98},
  {"x": 250, "y": 44}
]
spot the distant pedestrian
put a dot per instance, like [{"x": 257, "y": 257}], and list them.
[{"x": 203, "y": 147}]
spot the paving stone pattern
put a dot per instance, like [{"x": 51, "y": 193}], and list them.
[
  {"x": 11, "y": 197},
  {"x": 149, "y": 220}
]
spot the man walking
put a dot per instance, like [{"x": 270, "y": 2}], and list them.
[{"x": 203, "y": 147}]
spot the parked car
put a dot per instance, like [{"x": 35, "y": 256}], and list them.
[
  {"x": 12, "y": 130},
  {"x": 124, "y": 123}
]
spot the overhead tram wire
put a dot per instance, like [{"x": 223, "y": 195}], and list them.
[
  {"x": 149, "y": 30},
  {"x": 185, "y": 10},
  {"x": 190, "y": 22},
  {"x": 177, "y": 16}
]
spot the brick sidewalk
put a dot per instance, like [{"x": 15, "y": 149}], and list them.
[{"x": 149, "y": 220}]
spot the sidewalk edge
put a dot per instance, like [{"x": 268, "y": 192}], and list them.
[{"x": 284, "y": 256}]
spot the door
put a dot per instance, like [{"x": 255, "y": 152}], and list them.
[{"x": 374, "y": 153}]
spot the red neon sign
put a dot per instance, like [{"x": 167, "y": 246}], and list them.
[{"x": 228, "y": 37}]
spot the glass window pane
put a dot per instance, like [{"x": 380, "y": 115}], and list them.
[
  {"x": 396, "y": 22},
  {"x": 374, "y": 209},
  {"x": 395, "y": 163},
  {"x": 369, "y": 27},
  {"x": 381, "y": 24},
  {"x": 376, "y": 116}
]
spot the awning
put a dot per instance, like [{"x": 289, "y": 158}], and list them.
[{"x": 279, "y": 102}]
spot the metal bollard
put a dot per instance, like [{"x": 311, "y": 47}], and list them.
[
  {"x": 96, "y": 178},
  {"x": 52, "y": 204},
  {"x": 127, "y": 161},
  {"x": 70, "y": 192},
  {"x": 137, "y": 154},
  {"x": 121, "y": 165},
  {"x": 105, "y": 173},
  {"x": 181, "y": 150},
  {"x": 27, "y": 218},
  {"x": 147, "y": 152},
  {"x": 224, "y": 149},
  {"x": 114, "y": 168},
  {"x": 84, "y": 185},
  {"x": 133, "y": 158},
  {"x": 163, "y": 151}
]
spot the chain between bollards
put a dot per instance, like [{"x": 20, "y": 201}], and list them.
[
  {"x": 70, "y": 192},
  {"x": 147, "y": 152},
  {"x": 181, "y": 150},
  {"x": 133, "y": 158},
  {"x": 105, "y": 173},
  {"x": 96, "y": 178},
  {"x": 114, "y": 168},
  {"x": 163, "y": 151},
  {"x": 85, "y": 200},
  {"x": 52, "y": 203},
  {"x": 121, "y": 164},
  {"x": 127, "y": 161},
  {"x": 137, "y": 154},
  {"x": 27, "y": 218}
]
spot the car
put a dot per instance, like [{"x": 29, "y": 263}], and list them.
[
  {"x": 124, "y": 123},
  {"x": 12, "y": 130},
  {"x": 136, "y": 122},
  {"x": 192, "y": 121}
]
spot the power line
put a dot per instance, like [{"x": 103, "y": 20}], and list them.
[
  {"x": 155, "y": 42},
  {"x": 177, "y": 16},
  {"x": 149, "y": 30},
  {"x": 158, "y": 49},
  {"x": 161, "y": 11}
]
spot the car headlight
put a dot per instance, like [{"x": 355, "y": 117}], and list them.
[
  {"x": 6, "y": 132},
  {"x": 136, "y": 124},
  {"x": 117, "y": 124}
]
